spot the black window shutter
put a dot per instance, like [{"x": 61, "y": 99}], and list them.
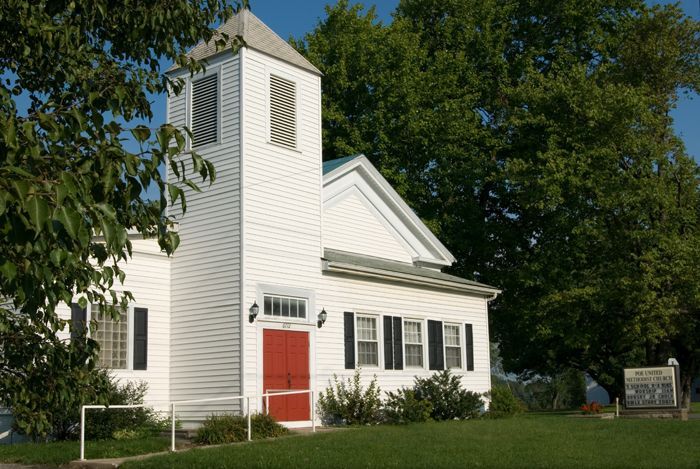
[
  {"x": 435, "y": 355},
  {"x": 78, "y": 318},
  {"x": 388, "y": 344},
  {"x": 469, "y": 342},
  {"x": 398, "y": 344},
  {"x": 140, "y": 338},
  {"x": 349, "y": 341}
]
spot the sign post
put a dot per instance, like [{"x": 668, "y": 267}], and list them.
[{"x": 653, "y": 391}]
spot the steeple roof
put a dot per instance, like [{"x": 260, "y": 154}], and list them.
[{"x": 256, "y": 35}]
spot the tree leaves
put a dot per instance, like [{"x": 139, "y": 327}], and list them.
[
  {"x": 141, "y": 133},
  {"x": 534, "y": 138},
  {"x": 70, "y": 219},
  {"x": 69, "y": 174},
  {"x": 38, "y": 211}
]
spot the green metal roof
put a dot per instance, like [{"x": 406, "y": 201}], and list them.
[{"x": 331, "y": 165}]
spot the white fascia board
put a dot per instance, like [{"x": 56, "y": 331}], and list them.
[
  {"x": 352, "y": 269},
  {"x": 390, "y": 196}
]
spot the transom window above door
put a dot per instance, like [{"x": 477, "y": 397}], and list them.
[{"x": 284, "y": 306}]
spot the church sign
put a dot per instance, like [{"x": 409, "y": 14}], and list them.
[{"x": 651, "y": 387}]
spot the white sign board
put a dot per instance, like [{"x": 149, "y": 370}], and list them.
[{"x": 651, "y": 387}]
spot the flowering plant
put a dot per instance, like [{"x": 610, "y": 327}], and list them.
[{"x": 592, "y": 408}]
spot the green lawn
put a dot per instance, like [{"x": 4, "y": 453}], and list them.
[
  {"x": 533, "y": 440},
  {"x": 529, "y": 441},
  {"x": 65, "y": 451}
]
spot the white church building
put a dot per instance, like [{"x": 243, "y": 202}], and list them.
[{"x": 341, "y": 272}]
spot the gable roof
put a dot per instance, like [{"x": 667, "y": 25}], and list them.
[
  {"x": 357, "y": 173},
  {"x": 255, "y": 35}
]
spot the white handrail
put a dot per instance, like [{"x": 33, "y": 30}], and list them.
[
  {"x": 173, "y": 404},
  {"x": 209, "y": 399},
  {"x": 284, "y": 392},
  {"x": 82, "y": 420},
  {"x": 198, "y": 401}
]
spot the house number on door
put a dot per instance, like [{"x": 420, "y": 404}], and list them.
[{"x": 286, "y": 325}]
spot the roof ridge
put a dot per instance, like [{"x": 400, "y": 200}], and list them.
[{"x": 243, "y": 23}]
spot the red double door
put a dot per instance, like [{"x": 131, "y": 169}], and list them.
[{"x": 286, "y": 367}]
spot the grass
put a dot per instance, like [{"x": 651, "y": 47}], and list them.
[
  {"x": 62, "y": 452},
  {"x": 528, "y": 441},
  {"x": 546, "y": 439}
]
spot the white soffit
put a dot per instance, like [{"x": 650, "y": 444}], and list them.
[{"x": 358, "y": 175}]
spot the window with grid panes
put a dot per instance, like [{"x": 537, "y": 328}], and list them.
[
  {"x": 453, "y": 346},
  {"x": 284, "y": 306},
  {"x": 113, "y": 337},
  {"x": 367, "y": 341},
  {"x": 413, "y": 343}
]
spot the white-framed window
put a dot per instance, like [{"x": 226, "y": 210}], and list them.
[
  {"x": 285, "y": 306},
  {"x": 413, "y": 343},
  {"x": 282, "y": 109},
  {"x": 113, "y": 337},
  {"x": 367, "y": 340},
  {"x": 453, "y": 345},
  {"x": 205, "y": 110}
]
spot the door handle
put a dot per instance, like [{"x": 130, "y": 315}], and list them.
[{"x": 289, "y": 380}]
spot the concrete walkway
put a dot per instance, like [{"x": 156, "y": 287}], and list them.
[
  {"x": 26, "y": 466},
  {"x": 114, "y": 462}
]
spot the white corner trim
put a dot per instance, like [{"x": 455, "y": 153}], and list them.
[{"x": 241, "y": 212}]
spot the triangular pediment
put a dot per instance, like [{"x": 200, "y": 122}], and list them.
[{"x": 363, "y": 214}]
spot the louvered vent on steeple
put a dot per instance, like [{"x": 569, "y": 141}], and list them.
[
  {"x": 205, "y": 110},
  {"x": 283, "y": 112}
]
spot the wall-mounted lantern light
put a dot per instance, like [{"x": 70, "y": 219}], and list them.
[
  {"x": 322, "y": 317},
  {"x": 253, "y": 311}
]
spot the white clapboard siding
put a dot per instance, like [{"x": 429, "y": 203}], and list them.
[
  {"x": 282, "y": 247},
  {"x": 353, "y": 225},
  {"x": 148, "y": 279},
  {"x": 205, "y": 302},
  {"x": 340, "y": 293},
  {"x": 282, "y": 195}
]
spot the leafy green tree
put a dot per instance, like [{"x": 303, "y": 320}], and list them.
[
  {"x": 71, "y": 186},
  {"x": 534, "y": 137}
]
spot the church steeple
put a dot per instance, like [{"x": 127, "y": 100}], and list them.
[{"x": 253, "y": 33}]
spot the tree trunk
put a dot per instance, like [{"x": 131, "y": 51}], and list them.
[{"x": 686, "y": 390}]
